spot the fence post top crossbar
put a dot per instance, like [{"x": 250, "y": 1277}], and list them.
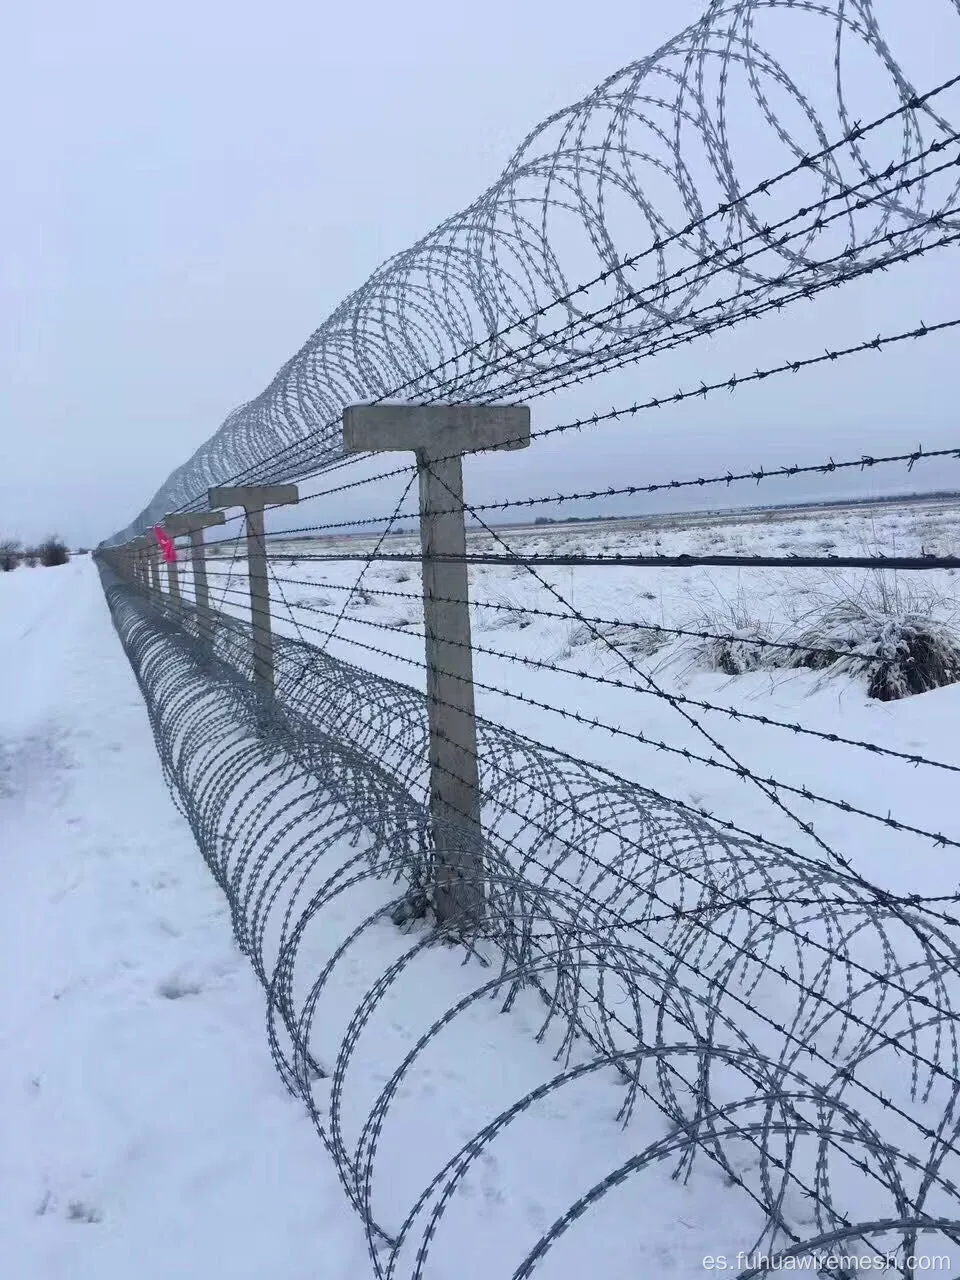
[
  {"x": 254, "y": 497},
  {"x": 436, "y": 430},
  {"x": 176, "y": 525}
]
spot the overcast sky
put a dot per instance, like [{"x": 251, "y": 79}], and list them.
[{"x": 190, "y": 189}]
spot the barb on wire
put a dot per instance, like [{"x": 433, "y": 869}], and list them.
[
  {"x": 616, "y": 559},
  {"x": 774, "y": 294},
  {"x": 617, "y": 730},
  {"x": 704, "y": 389},
  {"x": 623, "y": 627},
  {"x": 729, "y": 477},
  {"x": 728, "y": 310},
  {"x": 517, "y": 375}
]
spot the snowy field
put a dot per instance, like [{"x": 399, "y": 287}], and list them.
[{"x": 652, "y": 683}]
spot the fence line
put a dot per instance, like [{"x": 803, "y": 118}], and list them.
[
  {"x": 652, "y": 562},
  {"x": 432, "y": 319},
  {"x": 790, "y": 1017},
  {"x": 862, "y": 463},
  {"x": 702, "y": 391}
]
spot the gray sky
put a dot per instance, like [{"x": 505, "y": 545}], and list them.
[{"x": 191, "y": 189}]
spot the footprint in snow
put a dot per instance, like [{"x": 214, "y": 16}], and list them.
[
  {"x": 176, "y": 988},
  {"x": 80, "y": 1211},
  {"x": 167, "y": 928}
]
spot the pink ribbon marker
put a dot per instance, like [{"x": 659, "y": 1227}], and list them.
[{"x": 166, "y": 544}]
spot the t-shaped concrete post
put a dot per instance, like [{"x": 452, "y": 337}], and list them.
[
  {"x": 173, "y": 581},
  {"x": 194, "y": 524},
  {"x": 153, "y": 562},
  {"x": 253, "y": 499},
  {"x": 438, "y": 435},
  {"x": 137, "y": 548}
]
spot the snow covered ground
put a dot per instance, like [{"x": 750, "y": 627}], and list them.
[
  {"x": 143, "y": 1129},
  {"x": 528, "y": 667},
  {"x": 787, "y": 725}
]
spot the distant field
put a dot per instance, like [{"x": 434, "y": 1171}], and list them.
[
  {"x": 538, "y": 634},
  {"x": 907, "y": 524}
]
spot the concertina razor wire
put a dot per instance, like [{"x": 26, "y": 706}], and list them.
[
  {"x": 751, "y": 994},
  {"x": 792, "y": 1026},
  {"x": 488, "y": 287}
]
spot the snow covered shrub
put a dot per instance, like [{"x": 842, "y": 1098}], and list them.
[
  {"x": 901, "y": 639},
  {"x": 639, "y": 639},
  {"x": 733, "y": 636},
  {"x": 315, "y": 604},
  {"x": 404, "y": 620},
  {"x": 633, "y": 639},
  {"x": 360, "y": 599},
  {"x": 9, "y": 554},
  {"x": 733, "y": 655},
  {"x": 504, "y": 610},
  {"x": 53, "y": 551}
]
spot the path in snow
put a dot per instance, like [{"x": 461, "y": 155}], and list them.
[{"x": 145, "y": 1131}]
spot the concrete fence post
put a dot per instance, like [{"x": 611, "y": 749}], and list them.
[
  {"x": 137, "y": 548},
  {"x": 438, "y": 435},
  {"x": 253, "y": 499},
  {"x": 153, "y": 560},
  {"x": 194, "y": 524},
  {"x": 173, "y": 582}
]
